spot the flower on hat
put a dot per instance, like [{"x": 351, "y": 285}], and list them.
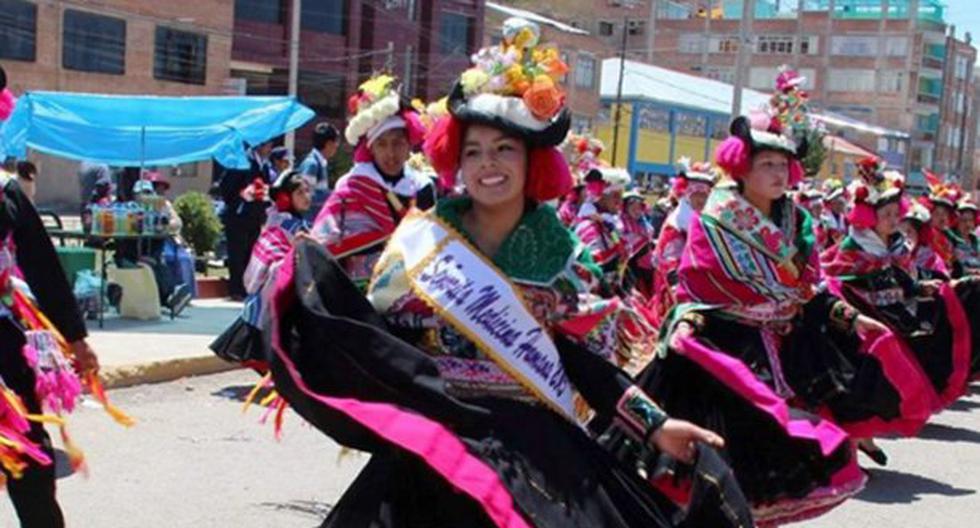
[
  {"x": 377, "y": 99},
  {"x": 519, "y": 68},
  {"x": 543, "y": 98}
]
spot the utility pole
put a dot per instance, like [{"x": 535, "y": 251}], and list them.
[
  {"x": 744, "y": 41},
  {"x": 294, "y": 29},
  {"x": 651, "y": 27},
  {"x": 390, "y": 58},
  {"x": 619, "y": 90}
]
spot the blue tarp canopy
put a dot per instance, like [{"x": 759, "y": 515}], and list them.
[{"x": 124, "y": 130}]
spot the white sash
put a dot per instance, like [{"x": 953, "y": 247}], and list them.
[{"x": 481, "y": 303}]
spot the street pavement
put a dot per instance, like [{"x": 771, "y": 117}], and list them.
[
  {"x": 132, "y": 351},
  {"x": 194, "y": 460}
]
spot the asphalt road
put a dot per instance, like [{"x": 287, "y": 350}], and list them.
[{"x": 194, "y": 460}]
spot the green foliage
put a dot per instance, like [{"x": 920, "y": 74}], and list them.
[
  {"x": 201, "y": 225},
  {"x": 816, "y": 153}
]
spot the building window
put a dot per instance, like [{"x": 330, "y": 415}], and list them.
[
  {"x": 455, "y": 34},
  {"x": 180, "y": 56},
  {"x": 774, "y": 44},
  {"x": 897, "y": 46},
  {"x": 962, "y": 67},
  {"x": 688, "y": 124},
  {"x": 852, "y": 46},
  {"x": 891, "y": 82},
  {"x": 727, "y": 44},
  {"x": 94, "y": 43},
  {"x": 851, "y": 80},
  {"x": 690, "y": 43},
  {"x": 719, "y": 128},
  {"x": 18, "y": 30},
  {"x": 269, "y": 11},
  {"x": 654, "y": 119},
  {"x": 585, "y": 72},
  {"x": 566, "y": 58},
  {"x": 606, "y": 29},
  {"x": 809, "y": 45},
  {"x": 323, "y": 92},
  {"x": 323, "y": 16},
  {"x": 636, "y": 27}
]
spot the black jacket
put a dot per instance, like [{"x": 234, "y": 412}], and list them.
[
  {"x": 38, "y": 261},
  {"x": 231, "y": 184}
]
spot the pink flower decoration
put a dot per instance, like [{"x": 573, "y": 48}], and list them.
[{"x": 745, "y": 219}]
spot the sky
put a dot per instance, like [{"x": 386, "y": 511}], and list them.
[{"x": 965, "y": 14}]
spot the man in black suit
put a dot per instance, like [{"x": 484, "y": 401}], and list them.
[{"x": 244, "y": 212}]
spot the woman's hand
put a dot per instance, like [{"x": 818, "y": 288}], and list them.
[
  {"x": 929, "y": 288},
  {"x": 682, "y": 331},
  {"x": 866, "y": 326},
  {"x": 84, "y": 358},
  {"x": 679, "y": 439}
]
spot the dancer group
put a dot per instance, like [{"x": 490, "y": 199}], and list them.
[{"x": 518, "y": 338}]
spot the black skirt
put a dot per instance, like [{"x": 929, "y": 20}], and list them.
[
  {"x": 241, "y": 343},
  {"x": 334, "y": 358},
  {"x": 968, "y": 292},
  {"x": 770, "y": 463}
]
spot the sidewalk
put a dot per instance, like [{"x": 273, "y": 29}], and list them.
[{"x": 133, "y": 352}]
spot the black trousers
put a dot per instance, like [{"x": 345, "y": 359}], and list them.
[
  {"x": 33, "y": 494},
  {"x": 242, "y": 234}
]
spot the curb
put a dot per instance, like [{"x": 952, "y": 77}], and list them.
[{"x": 114, "y": 377}]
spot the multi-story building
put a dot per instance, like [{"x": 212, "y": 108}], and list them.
[
  {"x": 894, "y": 63},
  {"x": 342, "y": 42},
  {"x": 115, "y": 46}
]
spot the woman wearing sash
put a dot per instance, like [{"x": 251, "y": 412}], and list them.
[
  {"x": 872, "y": 268},
  {"x": 370, "y": 200},
  {"x": 692, "y": 185},
  {"x": 732, "y": 345},
  {"x": 471, "y": 416}
]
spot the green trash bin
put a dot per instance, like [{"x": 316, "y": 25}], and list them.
[{"x": 75, "y": 259}]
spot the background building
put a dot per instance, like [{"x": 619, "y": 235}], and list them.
[
  {"x": 425, "y": 42},
  {"x": 893, "y": 63},
  {"x": 115, "y": 46}
]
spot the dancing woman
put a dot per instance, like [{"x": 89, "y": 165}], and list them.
[
  {"x": 873, "y": 269},
  {"x": 470, "y": 413},
  {"x": 746, "y": 285},
  {"x": 372, "y": 198}
]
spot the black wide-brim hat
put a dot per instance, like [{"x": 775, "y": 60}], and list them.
[
  {"x": 760, "y": 140},
  {"x": 511, "y": 115}
]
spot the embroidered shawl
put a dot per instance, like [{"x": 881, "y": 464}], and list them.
[
  {"x": 743, "y": 263},
  {"x": 364, "y": 209},
  {"x": 268, "y": 253},
  {"x": 862, "y": 253}
]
